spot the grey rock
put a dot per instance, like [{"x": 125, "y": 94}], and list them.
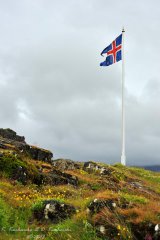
[
  {"x": 54, "y": 211},
  {"x": 10, "y": 134},
  {"x": 94, "y": 167},
  {"x": 56, "y": 177},
  {"x": 20, "y": 175},
  {"x": 40, "y": 154},
  {"x": 96, "y": 205},
  {"x": 91, "y": 166},
  {"x": 65, "y": 164}
]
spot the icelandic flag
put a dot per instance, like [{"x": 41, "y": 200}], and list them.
[{"x": 113, "y": 51}]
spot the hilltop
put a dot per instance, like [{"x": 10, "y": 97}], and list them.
[{"x": 43, "y": 198}]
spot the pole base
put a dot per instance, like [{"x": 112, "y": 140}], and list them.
[{"x": 123, "y": 160}]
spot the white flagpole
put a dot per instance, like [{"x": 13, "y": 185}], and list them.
[{"x": 123, "y": 156}]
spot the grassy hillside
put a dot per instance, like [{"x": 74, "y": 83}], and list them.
[{"x": 102, "y": 201}]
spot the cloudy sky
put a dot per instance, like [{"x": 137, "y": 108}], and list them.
[{"x": 53, "y": 91}]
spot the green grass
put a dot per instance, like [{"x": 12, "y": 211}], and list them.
[
  {"x": 11, "y": 219},
  {"x": 152, "y": 177},
  {"x": 37, "y": 206},
  {"x": 9, "y": 164},
  {"x": 134, "y": 198},
  {"x": 69, "y": 229},
  {"x": 4, "y": 214}
]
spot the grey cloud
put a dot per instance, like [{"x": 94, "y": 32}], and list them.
[{"x": 53, "y": 91}]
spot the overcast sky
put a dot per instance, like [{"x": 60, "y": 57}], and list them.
[{"x": 53, "y": 91}]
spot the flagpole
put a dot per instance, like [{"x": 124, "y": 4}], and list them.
[{"x": 123, "y": 155}]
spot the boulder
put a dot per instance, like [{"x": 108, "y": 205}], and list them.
[
  {"x": 94, "y": 167},
  {"x": 65, "y": 164},
  {"x": 105, "y": 171},
  {"x": 20, "y": 174},
  {"x": 56, "y": 177},
  {"x": 97, "y": 205},
  {"x": 91, "y": 166},
  {"x": 54, "y": 211},
  {"x": 40, "y": 154}
]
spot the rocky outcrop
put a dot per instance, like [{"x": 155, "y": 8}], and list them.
[
  {"x": 111, "y": 204},
  {"x": 91, "y": 167},
  {"x": 12, "y": 135},
  {"x": 97, "y": 205},
  {"x": 40, "y": 154},
  {"x": 16, "y": 169},
  {"x": 56, "y": 177},
  {"x": 13, "y": 149},
  {"x": 10, "y": 140},
  {"x": 65, "y": 164},
  {"x": 53, "y": 210}
]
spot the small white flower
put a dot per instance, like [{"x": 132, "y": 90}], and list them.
[
  {"x": 156, "y": 228},
  {"x": 102, "y": 229},
  {"x": 114, "y": 204},
  {"x": 47, "y": 206},
  {"x": 95, "y": 200}
]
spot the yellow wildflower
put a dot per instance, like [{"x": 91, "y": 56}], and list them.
[{"x": 118, "y": 227}]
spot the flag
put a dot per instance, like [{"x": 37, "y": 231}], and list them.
[{"x": 113, "y": 51}]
